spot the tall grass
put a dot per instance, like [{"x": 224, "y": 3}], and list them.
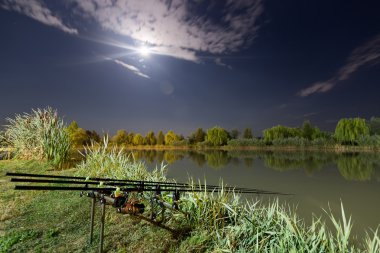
[
  {"x": 39, "y": 135},
  {"x": 113, "y": 162},
  {"x": 220, "y": 222}
]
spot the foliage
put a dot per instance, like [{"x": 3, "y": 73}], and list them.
[
  {"x": 217, "y": 136},
  {"x": 245, "y": 142},
  {"x": 248, "y": 133},
  {"x": 204, "y": 144},
  {"x": 369, "y": 141},
  {"x": 171, "y": 137},
  {"x": 234, "y": 134},
  {"x": 115, "y": 163},
  {"x": 280, "y": 132},
  {"x": 180, "y": 143},
  {"x": 120, "y": 138},
  {"x": 197, "y": 136},
  {"x": 3, "y": 141},
  {"x": 79, "y": 136},
  {"x": 150, "y": 139},
  {"x": 350, "y": 130},
  {"x": 138, "y": 140},
  {"x": 309, "y": 132},
  {"x": 39, "y": 135},
  {"x": 160, "y": 138},
  {"x": 292, "y": 141},
  {"x": 374, "y": 126}
]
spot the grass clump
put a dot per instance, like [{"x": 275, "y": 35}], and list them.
[
  {"x": 39, "y": 135},
  {"x": 102, "y": 161}
]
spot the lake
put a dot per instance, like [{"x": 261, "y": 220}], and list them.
[{"x": 318, "y": 180}]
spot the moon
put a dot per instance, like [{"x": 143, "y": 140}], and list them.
[{"x": 144, "y": 51}]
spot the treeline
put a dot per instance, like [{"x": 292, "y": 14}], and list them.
[{"x": 349, "y": 131}]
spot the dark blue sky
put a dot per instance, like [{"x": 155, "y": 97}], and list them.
[{"x": 235, "y": 64}]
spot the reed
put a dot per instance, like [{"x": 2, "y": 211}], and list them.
[{"x": 38, "y": 135}]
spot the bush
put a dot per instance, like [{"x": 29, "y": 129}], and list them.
[
  {"x": 39, "y": 135},
  {"x": 245, "y": 142},
  {"x": 370, "y": 141},
  {"x": 204, "y": 144},
  {"x": 180, "y": 143},
  {"x": 294, "y": 141}
]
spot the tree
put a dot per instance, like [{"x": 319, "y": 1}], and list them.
[
  {"x": 348, "y": 131},
  {"x": 160, "y": 138},
  {"x": 197, "y": 136},
  {"x": 120, "y": 137},
  {"x": 77, "y": 135},
  {"x": 217, "y": 136},
  {"x": 93, "y": 135},
  {"x": 374, "y": 126},
  {"x": 129, "y": 140},
  {"x": 281, "y": 132},
  {"x": 247, "y": 133},
  {"x": 150, "y": 139},
  {"x": 234, "y": 133},
  {"x": 138, "y": 140},
  {"x": 307, "y": 130},
  {"x": 171, "y": 137}
]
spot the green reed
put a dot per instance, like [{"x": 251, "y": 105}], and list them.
[{"x": 39, "y": 135}]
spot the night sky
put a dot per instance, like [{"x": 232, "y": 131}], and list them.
[{"x": 159, "y": 65}]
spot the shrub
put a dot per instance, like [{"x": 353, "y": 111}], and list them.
[
  {"x": 245, "y": 142},
  {"x": 180, "y": 143},
  {"x": 39, "y": 135},
  {"x": 293, "y": 141},
  {"x": 370, "y": 141}
]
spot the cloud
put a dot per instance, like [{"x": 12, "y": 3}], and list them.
[
  {"x": 179, "y": 28},
  {"x": 218, "y": 61},
  {"x": 368, "y": 53},
  {"x": 131, "y": 68},
  {"x": 38, "y": 11}
]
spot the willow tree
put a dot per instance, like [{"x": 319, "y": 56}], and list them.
[
  {"x": 348, "y": 131},
  {"x": 217, "y": 136}
]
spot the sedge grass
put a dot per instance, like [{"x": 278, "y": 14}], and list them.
[{"x": 39, "y": 135}]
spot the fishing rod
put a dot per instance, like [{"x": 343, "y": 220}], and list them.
[
  {"x": 104, "y": 180},
  {"x": 144, "y": 185},
  {"x": 124, "y": 195}
]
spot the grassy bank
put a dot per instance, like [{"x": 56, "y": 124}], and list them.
[{"x": 59, "y": 221}]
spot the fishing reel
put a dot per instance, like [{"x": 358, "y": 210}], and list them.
[{"x": 132, "y": 206}]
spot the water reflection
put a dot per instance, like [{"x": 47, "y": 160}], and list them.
[{"x": 352, "y": 166}]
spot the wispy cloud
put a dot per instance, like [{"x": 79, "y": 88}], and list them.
[
  {"x": 179, "y": 28},
  {"x": 37, "y": 10},
  {"x": 368, "y": 53},
  {"x": 218, "y": 61},
  {"x": 132, "y": 68}
]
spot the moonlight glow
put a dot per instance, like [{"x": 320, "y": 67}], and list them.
[{"x": 144, "y": 51}]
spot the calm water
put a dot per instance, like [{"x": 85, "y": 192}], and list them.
[{"x": 317, "y": 180}]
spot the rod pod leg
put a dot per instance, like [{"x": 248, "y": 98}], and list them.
[
  {"x": 92, "y": 219},
  {"x": 103, "y": 206}
]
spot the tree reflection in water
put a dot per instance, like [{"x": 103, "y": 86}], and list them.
[{"x": 352, "y": 166}]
